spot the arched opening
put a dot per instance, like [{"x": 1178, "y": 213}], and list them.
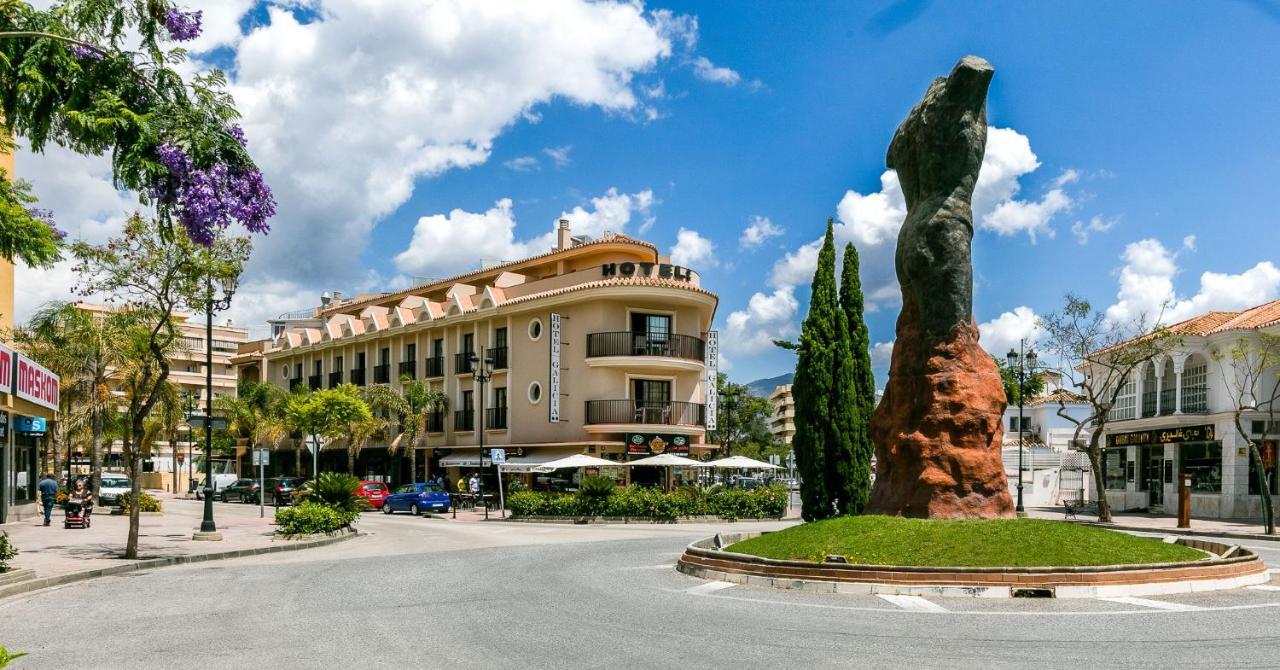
[
  {"x": 1168, "y": 388},
  {"x": 1195, "y": 385},
  {"x": 1149, "y": 389}
]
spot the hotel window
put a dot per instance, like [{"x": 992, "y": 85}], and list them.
[
  {"x": 500, "y": 349},
  {"x": 650, "y": 333},
  {"x": 535, "y": 330},
  {"x": 437, "y": 347},
  {"x": 468, "y": 343},
  {"x": 1195, "y": 387},
  {"x": 297, "y": 371},
  {"x": 410, "y": 352},
  {"x": 1113, "y": 469},
  {"x": 317, "y": 368},
  {"x": 1203, "y": 461},
  {"x": 652, "y": 400},
  {"x": 1126, "y": 402},
  {"x": 384, "y": 356}
]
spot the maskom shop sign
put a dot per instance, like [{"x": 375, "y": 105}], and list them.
[
  {"x": 660, "y": 270},
  {"x": 651, "y": 443},
  {"x": 1202, "y": 433}
]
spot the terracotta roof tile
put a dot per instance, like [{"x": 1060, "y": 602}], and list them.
[{"x": 617, "y": 281}]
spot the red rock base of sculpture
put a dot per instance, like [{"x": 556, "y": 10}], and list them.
[{"x": 938, "y": 429}]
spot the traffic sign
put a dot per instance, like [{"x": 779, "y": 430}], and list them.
[
  {"x": 498, "y": 456},
  {"x": 261, "y": 457},
  {"x": 198, "y": 421}
]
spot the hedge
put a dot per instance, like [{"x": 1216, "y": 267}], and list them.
[
  {"x": 310, "y": 518},
  {"x": 647, "y": 503},
  {"x": 149, "y": 502}
]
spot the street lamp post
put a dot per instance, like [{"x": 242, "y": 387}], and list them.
[
  {"x": 481, "y": 372},
  {"x": 208, "y": 529},
  {"x": 1025, "y": 362}
]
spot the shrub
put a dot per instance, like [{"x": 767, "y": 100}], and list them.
[
  {"x": 516, "y": 486},
  {"x": 7, "y": 657},
  {"x": 646, "y": 503},
  {"x": 594, "y": 493},
  {"x": 7, "y": 551},
  {"x": 149, "y": 503},
  {"x": 337, "y": 490},
  {"x": 524, "y": 503},
  {"x": 310, "y": 517}
]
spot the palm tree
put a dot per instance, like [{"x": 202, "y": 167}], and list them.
[
  {"x": 86, "y": 349},
  {"x": 388, "y": 407},
  {"x": 166, "y": 420},
  {"x": 420, "y": 401},
  {"x": 256, "y": 407}
]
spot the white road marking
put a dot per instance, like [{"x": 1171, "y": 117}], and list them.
[
  {"x": 709, "y": 587},
  {"x": 913, "y": 603},
  {"x": 1274, "y": 571},
  {"x": 1154, "y": 604},
  {"x": 1264, "y": 587},
  {"x": 664, "y": 566}
]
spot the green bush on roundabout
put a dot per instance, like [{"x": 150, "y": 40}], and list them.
[
  {"x": 329, "y": 505},
  {"x": 594, "y": 499},
  {"x": 1023, "y": 543}
]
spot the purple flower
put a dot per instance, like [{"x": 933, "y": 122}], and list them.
[
  {"x": 183, "y": 26},
  {"x": 209, "y": 199},
  {"x": 46, "y": 216},
  {"x": 238, "y": 133},
  {"x": 85, "y": 52}
]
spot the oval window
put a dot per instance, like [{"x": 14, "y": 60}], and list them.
[
  {"x": 535, "y": 393},
  {"x": 535, "y": 329}
]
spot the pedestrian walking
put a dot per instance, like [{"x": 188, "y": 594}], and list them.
[
  {"x": 474, "y": 485},
  {"x": 48, "y": 487}
]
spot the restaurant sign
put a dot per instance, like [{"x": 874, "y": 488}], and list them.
[
  {"x": 1202, "y": 433},
  {"x": 651, "y": 443}
]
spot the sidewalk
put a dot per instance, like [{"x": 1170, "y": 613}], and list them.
[
  {"x": 54, "y": 551},
  {"x": 1229, "y": 528}
]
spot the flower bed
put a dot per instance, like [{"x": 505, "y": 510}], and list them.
[{"x": 646, "y": 503}]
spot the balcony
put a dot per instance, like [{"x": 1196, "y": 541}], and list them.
[
  {"x": 495, "y": 418},
  {"x": 464, "y": 419},
  {"x": 631, "y": 349},
  {"x": 409, "y": 368},
  {"x": 382, "y": 374},
  {"x": 314, "y": 382},
  {"x": 499, "y": 355},
  {"x": 462, "y": 363},
  {"x": 641, "y": 412},
  {"x": 1168, "y": 398},
  {"x": 335, "y": 378},
  {"x": 435, "y": 422},
  {"x": 435, "y": 366},
  {"x": 357, "y": 376}
]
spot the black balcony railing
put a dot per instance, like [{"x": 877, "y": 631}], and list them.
[
  {"x": 499, "y": 355},
  {"x": 464, "y": 419},
  {"x": 647, "y": 412},
  {"x": 435, "y": 366},
  {"x": 435, "y": 422},
  {"x": 495, "y": 418},
  {"x": 1149, "y": 403},
  {"x": 335, "y": 378},
  {"x": 409, "y": 368},
  {"x": 357, "y": 376},
  {"x": 1167, "y": 401},
  {"x": 462, "y": 362},
  {"x": 641, "y": 344},
  {"x": 382, "y": 374},
  {"x": 314, "y": 382}
]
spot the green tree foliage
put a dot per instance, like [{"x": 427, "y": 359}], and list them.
[
  {"x": 742, "y": 427},
  {"x": 1249, "y": 370},
  {"x": 101, "y": 77},
  {"x": 151, "y": 275},
  {"x": 824, "y": 423},
  {"x": 326, "y": 415},
  {"x": 860, "y": 400},
  {"x": 1032, "y": 385}
]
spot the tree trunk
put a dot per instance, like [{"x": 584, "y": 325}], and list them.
[
  {"x": 1099, "y": 477},
  {"x": 135, "y": 478},
  {"x": 351, "y": 460},
  {"x": 413, "y": 464},
  {"x": 173, "y": 446},
  {"x": 95, "y": 451},
  {"x": 297, "y": 459}
]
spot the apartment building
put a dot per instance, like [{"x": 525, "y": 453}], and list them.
[
  {"x": 783, "y": 422},
  {"x": 597, "y": 346}
]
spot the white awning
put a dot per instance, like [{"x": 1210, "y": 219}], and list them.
[
  {"x": 579, "y": 461},
  {"x": 464, "y": 461},
  {"x": 532, "y": 460},
  {"x": 742, "y": 462}
]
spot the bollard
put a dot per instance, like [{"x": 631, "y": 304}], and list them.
[{"x": 1184, "y": 501}]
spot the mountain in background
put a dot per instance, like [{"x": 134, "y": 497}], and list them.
[{"x": 763, "y": 387}]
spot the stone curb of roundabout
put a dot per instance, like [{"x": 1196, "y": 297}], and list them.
[
  {"x": 24, "y": 580},
  {"x": 1227, "y": 567}
]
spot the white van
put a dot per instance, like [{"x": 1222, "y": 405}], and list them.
[
  {"x": 111, "y": 487},
  {"x": 221, "y": 480}
]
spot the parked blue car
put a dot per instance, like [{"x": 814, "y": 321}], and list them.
[{"x": 416, "y": 499}]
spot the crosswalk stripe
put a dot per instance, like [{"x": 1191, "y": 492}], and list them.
[
  {"x": 913, "y": 603},
  {"x": 709, "y": 587},
  {"x": 1153, "y": 604},
  {"x": 664, "y": 566}
]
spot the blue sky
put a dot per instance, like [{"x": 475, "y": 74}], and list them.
[{"x": 1155, "y": 121}]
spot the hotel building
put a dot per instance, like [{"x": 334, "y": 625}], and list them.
[
  {"x": 598, "y": 347},
  {"x": 1176, "y": 415},
  {"x": 783, "y": 423}
]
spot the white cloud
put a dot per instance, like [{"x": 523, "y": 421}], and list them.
[
  {"x": 1082, "y": 230},
  {"x": 1027, "y": 216},
  {"x": 766, "y": 318},
  {"x": 876, "y": 217},
  {"x": 693, "y": 250},
  {"x": 447, "y": 244},
  {"x": 1005, "y": 331},
  {"x": 1146, "y": 288},
  {"x": 559, "y": 155},
  {"x": 759, "y": 231},
  {"x": 521, "y": 164},
  {"x": 1189, "y": 242},
  {"x": 705, "y": 70},
  {"x": 881, "y": 354}
]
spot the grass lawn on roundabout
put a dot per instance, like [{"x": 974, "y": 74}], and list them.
[{"x": 886, "y": 540}]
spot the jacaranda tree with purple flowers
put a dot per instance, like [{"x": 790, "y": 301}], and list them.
[{"x": 98, "y": 77}]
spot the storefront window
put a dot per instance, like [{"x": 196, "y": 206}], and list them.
[
  {"x": 1267, "y": 448},
  {"x": 1203, "y": 462},
  {"x": 1114, "y": 469}
]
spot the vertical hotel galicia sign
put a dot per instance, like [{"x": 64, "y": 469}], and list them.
[
  {"x": 712, "y": 364},
  {"x": 553, "y": 401}
]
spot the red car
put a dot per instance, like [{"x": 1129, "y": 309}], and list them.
[{"x": 374, "y": 493}]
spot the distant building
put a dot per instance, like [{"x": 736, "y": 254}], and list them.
[
  {"x": 783, "y": 422},
  {"x": 1052, "y": 469}
]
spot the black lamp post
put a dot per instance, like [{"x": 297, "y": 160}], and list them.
[
  {"x": 1025, "y": 361},
  {"x": 481, "y": 372},
  {"x": 209, "y": 530}
]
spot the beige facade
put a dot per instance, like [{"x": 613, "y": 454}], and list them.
[
  {"x": 783, "y": 423},
  {"x": 631, "y": 342}
]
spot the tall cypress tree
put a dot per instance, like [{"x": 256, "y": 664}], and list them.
[
  {"x": 818, "y": 438},
  {"x": 862, "y": 393}
]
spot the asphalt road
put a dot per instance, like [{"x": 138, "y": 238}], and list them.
[{"x": 434, "y": 593}]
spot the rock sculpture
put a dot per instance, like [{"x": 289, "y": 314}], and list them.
[{"x": 938, "y": 427}]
